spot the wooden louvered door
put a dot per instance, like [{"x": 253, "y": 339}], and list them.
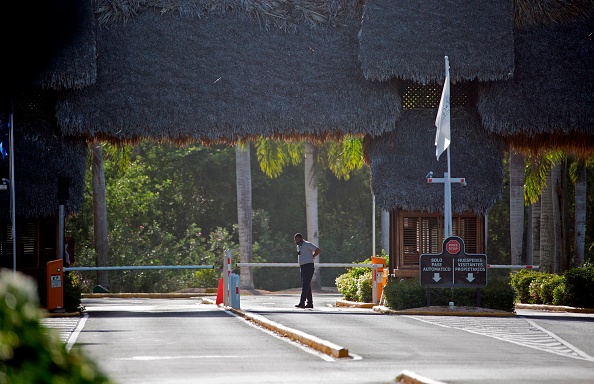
[
  {"x": 416, "y": 233},
  {"x": 468, "y": 228},
  {"x": 28, "y": 257},
  {"x": 36, "y": 244}
]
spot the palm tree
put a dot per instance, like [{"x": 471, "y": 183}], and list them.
[
  {"x": 341, "y": 158},
  {"x": 100, "y": 214},
  {"x": 556, "y": 195},
  {"x": 580, "y": 212},
  {"x": 534, "y": 233},
  {"x": 311, "y": 205},
  {"x": 244, "y": 211},
  {"x": 547, "y": 234},
  {"x": 516, "y": 204}
]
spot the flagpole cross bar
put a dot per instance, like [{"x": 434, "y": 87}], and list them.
[{"x": 453, "y": 180}]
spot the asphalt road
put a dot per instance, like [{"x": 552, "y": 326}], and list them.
[{"x": 187, "y": 341}]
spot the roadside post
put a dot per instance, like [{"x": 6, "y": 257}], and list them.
[{"x": 227, "y": 279}]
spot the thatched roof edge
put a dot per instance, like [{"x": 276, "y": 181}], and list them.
[{"x": 552, "y": 93}]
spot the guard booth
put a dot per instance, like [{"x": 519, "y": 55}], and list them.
[
  {"x": 55, "y": 285},
  {"x": 413, "y": 233}
]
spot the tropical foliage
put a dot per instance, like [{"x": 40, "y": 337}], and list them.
[
  {"x": 30, "y": 353},
  {"x": 176, "y": 205},
  {"x": 575, "y": 287}
]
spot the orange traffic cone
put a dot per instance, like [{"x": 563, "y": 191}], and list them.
[{"x": 220, "y": 292}]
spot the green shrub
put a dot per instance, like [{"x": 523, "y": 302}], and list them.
[
  {"x": 348, "y": 283},
  {"x": 560, "y": 294},
  {"x": 498, "y": 294},
  {"x": 365, "y": 287},
  {"x": 520, "y": 281},
  {"x": 408, "y": 293},
  {"x": 535, "y": 287},
  {"x": 72, "y": 293},
  {"x": 30, "y": 353},
  {"x": 548, "y": 287},
  {"x": 579, "y": 285},
  {"x": 404, "y": 294}
]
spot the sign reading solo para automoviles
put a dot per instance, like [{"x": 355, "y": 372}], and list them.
[{"x": 453, "y": 267}]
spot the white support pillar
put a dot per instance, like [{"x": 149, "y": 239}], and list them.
[{"x": 377, "y": 277}]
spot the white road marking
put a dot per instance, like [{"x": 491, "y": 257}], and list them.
[
  {"x": 153, "y": 358},
  {"x": 519, "y": 331},
  {"x": 74, "y": 335}
]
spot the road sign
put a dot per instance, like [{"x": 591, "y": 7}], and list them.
[{"x": 453, "y": 267}]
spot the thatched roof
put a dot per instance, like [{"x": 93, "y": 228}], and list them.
[
  {"x": 409, "y": 40},
  {"x": 74, "y": 65},
  {"x": 41, "y": 156},
  {"x": 224, "y": 70},
  {"x": 401, "y": 160},
  {"x": 551, "y": 97},
  {"x": 550, "y": 12},
  {"x": 49, "y": 43}
]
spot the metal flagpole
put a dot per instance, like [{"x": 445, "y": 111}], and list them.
[
  {"x": 442, "y": 142},
  {"x": 373, "y": 223},
  {"x": 447, "y": 215}
]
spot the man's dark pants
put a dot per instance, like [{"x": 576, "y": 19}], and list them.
[{"x": 307, "y": 272}]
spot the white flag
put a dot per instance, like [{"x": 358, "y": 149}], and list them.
[{"x": 442, "y": 122}]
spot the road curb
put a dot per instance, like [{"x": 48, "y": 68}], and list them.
[
  {"x": 554, "y": 308},
  {"x": 311, "y": 341},
  {"x": 172, "y": 295},
  {"x": 353, "y": 304},
  {"x": 409, "y": 377}
]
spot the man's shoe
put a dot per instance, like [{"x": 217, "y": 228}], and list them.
[
  {"x": 300, "y": 306},
  {"x": 309, "y": 306}
]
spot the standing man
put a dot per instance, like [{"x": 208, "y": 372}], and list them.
[{"x": 306, "y": 253}]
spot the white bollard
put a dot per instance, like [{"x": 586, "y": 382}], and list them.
[{"x": 226, "y": 279}]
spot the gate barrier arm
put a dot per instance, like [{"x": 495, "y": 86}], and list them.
[
  {"x": 375, "y": 268},
  {"x": 120, "y": 268}
]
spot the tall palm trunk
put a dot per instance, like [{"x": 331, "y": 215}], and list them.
[
  {"x": 516, "y": 205},
  {"x": 311, "y": 204},
  {"x": 557, "y": 219},
  {"x": 244, "y": 212},
  {"x": 547, "y": 234},
  {"x": 580, "y": 214},
  {"x": 100, "y": 214},
  {"x": 535, "y": 232}
]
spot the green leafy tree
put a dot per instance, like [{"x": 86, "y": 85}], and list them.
[{"x": 341, "y": 158}]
